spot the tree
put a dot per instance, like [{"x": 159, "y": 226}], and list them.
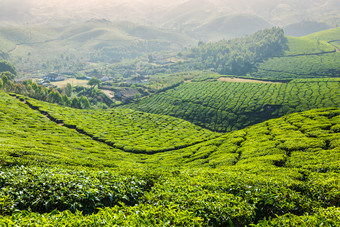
[
  {"x": 94, "y": 82},
  {"x": 4, "y": 79},
  {"x": 1, "y": 83},
  {"x": 75, "y": 103},
  {"x": 6, "y": 66},
  {"x": 9, "y": 75},
  {"x": 84, "y": 102},
  {"x": 66, "y": 100},
  {"x": 68, "y": 90}
]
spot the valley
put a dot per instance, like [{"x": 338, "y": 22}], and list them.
[{"x": 186, "y": 114}]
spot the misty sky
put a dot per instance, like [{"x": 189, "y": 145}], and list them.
[{"x": 31, "y": 11}]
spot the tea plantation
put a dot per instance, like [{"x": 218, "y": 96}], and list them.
[
  {"x": 128, "y": 130},
  {"x": 226, "y": 106},
  {"x": 313, "y": 56},
  {"x": 283, "y": 171}
]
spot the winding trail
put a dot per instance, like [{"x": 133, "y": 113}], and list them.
[
  {"x": 227, "y": 79},
  {"x": 14, "y": 49},
  {"x": 336, "y": 48}
]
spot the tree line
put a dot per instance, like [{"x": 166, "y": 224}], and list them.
[{"x": 238, "y": 56}]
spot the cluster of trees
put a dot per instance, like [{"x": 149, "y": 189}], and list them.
[
  {"x": 8, "y": 69},
  {"x": 33, "y": 90},
  {"x": 238, "y": 56},
  {"x": 95, "y": 96}
]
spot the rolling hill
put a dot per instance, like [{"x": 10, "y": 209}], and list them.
[
  {"x": 72, "y": 47},
  {"x": 312, "y": 56},
  {"x": 281, "y": 171},
  {"x": 128, "y": 130},
  {"x": 268, "y": 54},
  {"x": 304, "y": 28},
  {"x": 225, "y": 106},
  {"x": 231, "y": 26}
]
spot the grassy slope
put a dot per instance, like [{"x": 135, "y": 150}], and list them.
[
  {"x": 226, "y": 106},
  {"x": 92, "y": 40},
  {"x": 27, "y": 137},
  {"x": 282, "y": 166},
  {"x": 307, "y": 57},
  {"x": 129, "y": 130},
  {"x": 327, "y": 35}
]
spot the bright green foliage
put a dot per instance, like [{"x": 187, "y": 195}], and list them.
[
  {"x": 303, "y": 46},
  {"x": 68, "y": 90},
  {"x": 140, "y": 215},
  {"x": 302, "y": 66},
  {"x": 322, "y": 217},
  {"x": 330, "y": 35},
  {"x": 162, "y": 82},
  {"x": 130, "y": 130},
  {"x": 94, "y": 82},
  {"x": 26, "y": 136},
  {"x": 225, "y": 106},
  {"x": 312, "y": 56},
  {"x": 40, "y": 92},
  {"x": 280, "y": 172},
  {"x": 51, "y": 189}
]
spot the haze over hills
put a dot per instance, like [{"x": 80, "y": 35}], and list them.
[{"x": 195, "y": 17}]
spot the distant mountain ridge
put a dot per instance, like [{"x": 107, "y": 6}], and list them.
[{"x": 188, "y": 16}]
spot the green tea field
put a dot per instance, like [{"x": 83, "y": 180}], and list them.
[
  {"x": 226, "y": 106},
  {"x": 282, "y": 171}
]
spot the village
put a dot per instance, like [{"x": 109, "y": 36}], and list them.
[{"x": 118, "y": 92}]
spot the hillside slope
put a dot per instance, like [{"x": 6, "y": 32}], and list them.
[
  {"x": 72, "y": 47},
  {"x": 284, "y": 170},
  {"x": 128, "y": 130},
  {"x": 225, "y": 106},
  {"x": 312, "y": 56}
]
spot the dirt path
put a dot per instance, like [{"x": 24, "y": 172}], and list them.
[
  {"x": 14, "y": 49},
  {"x": 109, "y": 93},
  {"x": 227, "y": 79},
  {"x": 336, "y": 48}
]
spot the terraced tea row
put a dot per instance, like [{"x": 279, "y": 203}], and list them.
[
  {"x": 302, "y": 66},
  {"x": 225, "y": 106},
  {"x": 285, "y": 169},
  {"x": 306, "y": 46},
  {"x": 308, "y": 141},
  {"x": 128, "y": 130},
  {"x": 312, "y": 56},
  {"x": 282, "y": 169},
  {"x": 27, "y": 137}
]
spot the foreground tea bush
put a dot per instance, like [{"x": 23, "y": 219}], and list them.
[
  {"x": 162, "y": 197},
  {"x": 280, "y": 172},
  {"x": 44, "y": 190}
]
